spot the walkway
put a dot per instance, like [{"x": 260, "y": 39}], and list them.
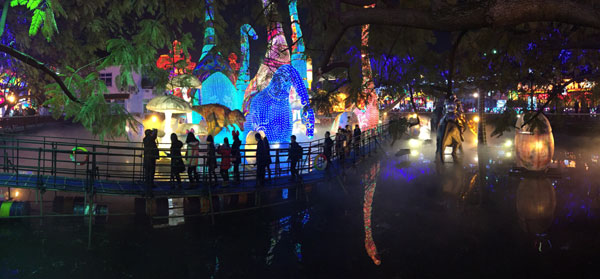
[{"x": 115, "y": 168}]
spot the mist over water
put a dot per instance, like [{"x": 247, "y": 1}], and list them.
[{"x": 387, "y": 217}]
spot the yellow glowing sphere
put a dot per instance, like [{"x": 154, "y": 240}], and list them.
[
  {"x": 538, "y": 145},
  {"x": 476, "y": 119},
  {"x": 17, "y": 194},
  {"x": 414, "y": 143},
  {"x": 414, "y": 153},
  {"x": 508, "y": 154},
  {"x": 154, "y": 118},
  {"x": 11, "y": 98},
  {"x": 508, "y": 143}
]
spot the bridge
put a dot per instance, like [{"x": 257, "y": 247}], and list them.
[{"x": 90, "y": 168}]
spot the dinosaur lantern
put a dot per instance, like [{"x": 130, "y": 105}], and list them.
[
  {"x": 218, "y": 117},
  {"x": 270, "y": 109}
]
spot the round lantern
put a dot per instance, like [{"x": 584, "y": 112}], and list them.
[
  {"x": 536, "y": 201},
  {"x": 534, "y": 149}
]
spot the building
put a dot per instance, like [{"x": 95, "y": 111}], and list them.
[{"x": 133, "y": 98}]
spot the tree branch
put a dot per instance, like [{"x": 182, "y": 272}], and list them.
[
  {"x": 452, "y": 58},
  {"x": 40, "y": 66},
  {"x": 468, "y": 16}
]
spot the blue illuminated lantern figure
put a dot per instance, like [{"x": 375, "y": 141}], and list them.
[{"x": 270, "y": 109}]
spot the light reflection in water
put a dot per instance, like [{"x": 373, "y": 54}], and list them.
[
  {"x": 536, "y": 203},
  {"x": 284, "y": 225},
  {"x": 370, "y": 182}
]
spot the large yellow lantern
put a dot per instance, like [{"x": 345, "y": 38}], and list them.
[{"x": 534, "y": 148}]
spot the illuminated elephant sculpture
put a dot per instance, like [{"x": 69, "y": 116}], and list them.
[{"x": 270, "y": 109}]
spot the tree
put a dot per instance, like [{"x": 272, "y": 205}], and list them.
[{"x": 81, "y": 38}]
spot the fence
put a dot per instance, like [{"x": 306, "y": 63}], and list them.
[{"x": 72, "y": 165}]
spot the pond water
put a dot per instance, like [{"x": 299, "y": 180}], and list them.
[{"x": 387, "y": 217}]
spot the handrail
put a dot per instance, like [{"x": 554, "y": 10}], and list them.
[{"x": 57, "y": 164}]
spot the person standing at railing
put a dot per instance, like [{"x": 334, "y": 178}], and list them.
[
  {"x": 177, "y": 165},
  {"x": 211, "y": 160},
  {"x": 357, "y": 138},
  {"x": 269, "y": 160},
  {"x": 236, "y": 156},
  {"x": 261, "y": 160},
  {"x": 340, "y": 139},
  {"x": 150, "y": 157},
  {"x": 327, "y": 149},
  {"x": 225, "y": 151},
  {"x": 348, "y": 139},
  {"x": 192, "y": 154},
  {"x": 294, "y": 155}
]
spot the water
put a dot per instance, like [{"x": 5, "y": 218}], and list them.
[{"x": 394, "y": 217}]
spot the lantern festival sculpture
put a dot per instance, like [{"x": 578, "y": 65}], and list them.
[
  {"x": 270, "y": 110},
  {"x": 534, "y": 143},
  {"x": 278, "y": 91}
]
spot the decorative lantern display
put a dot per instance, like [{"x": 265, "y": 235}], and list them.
[
  {"x": 536, "y": 202},
  {"x": 534, "y": 147}
]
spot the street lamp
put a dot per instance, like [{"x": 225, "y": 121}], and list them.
[
  {"x": 475, "y": 95},
  {"x": 11, "y": 98}
]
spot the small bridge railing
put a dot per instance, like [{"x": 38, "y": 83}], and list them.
[{"x": 52, "y": 160}]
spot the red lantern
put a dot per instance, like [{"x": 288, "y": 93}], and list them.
[{"x": 534, "y": 149}]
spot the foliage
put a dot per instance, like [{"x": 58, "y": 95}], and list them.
[{"x": 94, "y": 113}]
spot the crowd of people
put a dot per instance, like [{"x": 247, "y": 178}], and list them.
[{"x": 345, "y": 141}]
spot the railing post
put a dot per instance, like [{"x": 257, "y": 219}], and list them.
[
  {"x": 40, "y": 186},
  {"x": 17, "y": 165},
  {"x": 54, "y": 163}
]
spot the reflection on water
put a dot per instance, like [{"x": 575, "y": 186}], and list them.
[
  {"x": 468, "y": 218},
  {"x": 536, "y": 202},
  {"x": 370, "y": 182},
  {"x": 284, "y": 226}
]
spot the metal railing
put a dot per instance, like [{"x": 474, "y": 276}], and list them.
[{"x": 57, "y": 164}]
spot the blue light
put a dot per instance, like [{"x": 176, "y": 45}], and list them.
[
  {"x": 284, "y": 193},
  {"x": 270, "y": 109},
  {"x": 217, "y": 89},
  {"x": 244, "y": 75}
]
